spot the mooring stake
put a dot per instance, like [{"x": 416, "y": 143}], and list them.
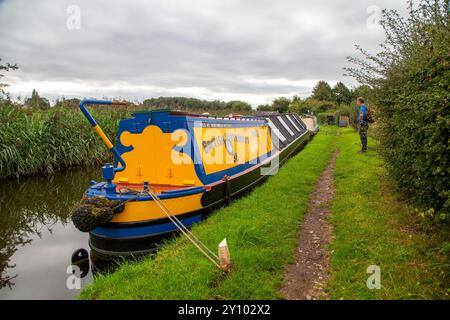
[
  {"x": 189, "y": 235},
  {"x": 224, "y": 256}
]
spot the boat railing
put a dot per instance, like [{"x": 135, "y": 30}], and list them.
[{"x": 100, "y": 132}]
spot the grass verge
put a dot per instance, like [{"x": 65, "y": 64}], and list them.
[
  {"x": 372, "y": 227},
  {"x": 261, "y": 230}
]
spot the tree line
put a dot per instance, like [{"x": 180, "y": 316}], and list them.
[{"x": 324, "y": 98}]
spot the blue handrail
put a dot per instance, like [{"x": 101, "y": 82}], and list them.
[{"x": 99, "y": 130}]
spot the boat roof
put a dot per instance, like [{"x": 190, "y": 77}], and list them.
[{"x": 196, "y": 115}]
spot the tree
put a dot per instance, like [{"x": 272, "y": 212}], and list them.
[
  {"x": 410, "y": 81},
  {"x": 299, "y": 106},
  {"x": 341, "y": 94},
  {"x": 36, "y": 102},
  {"x": 5, "y": 67},
  {"x": 68, "y": 103},
  {"x": 362, "y": 91},
  {"x": 264, "y": 107},
  {"x": 238, "y": 106},
  {"x": 183, "y": 103},
  {"x": 281, "y": 104},
  {"x": 322, "y": 91}
]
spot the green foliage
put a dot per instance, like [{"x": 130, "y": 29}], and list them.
[
  {"x": 372, "y": 227},
  {"x": 37, "y": 138},
  {"x": 197, "y": 105},
  {"x": 364, "y": 91},
  {"x": 312, "y": 105},
  {"x": 281, "y": 104},
  {"x": 238, "y": 106},
  {"x": 264, "y": 107},
  {"x": 43, "y": 141},
  {"x": 278, "y": 105},
  {"x": 351, "y": 110},
  {"x": 5, "y": 67},
  {"x": 182, "y": 103},
  {"x": 68, "y": 103},
  {"x": 342, "y": 94},
  {"x": 410, "y": 78},
  {"x": 299, "y": 106},
  {"x": 339, "y": 100},
  {"x": 322, "y": 91},
  {"x": 326, "y": 117},
  {"x": 36, "y": 102}
]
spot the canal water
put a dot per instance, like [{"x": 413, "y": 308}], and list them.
[{"x": 37, "y": 237}]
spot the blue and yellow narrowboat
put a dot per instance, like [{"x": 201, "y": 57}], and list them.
[{"x": 193, "y": 163}]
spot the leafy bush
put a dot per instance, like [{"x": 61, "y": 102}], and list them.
[
  {"x": 322, "y": 118},
  {"x": 351, "y": 111},
  {"x": 312, "y": 105},
  {"x": 411, "y": 82}
]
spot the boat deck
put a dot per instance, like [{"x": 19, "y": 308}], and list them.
[{"x": 155, "y": 188}]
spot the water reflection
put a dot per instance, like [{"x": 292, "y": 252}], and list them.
[{"x": 36, "y": 234}]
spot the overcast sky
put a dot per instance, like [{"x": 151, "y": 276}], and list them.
[{"x": 251, "y": 50}]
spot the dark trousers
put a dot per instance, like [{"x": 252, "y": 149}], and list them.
[{"x": 363, "y": 135}]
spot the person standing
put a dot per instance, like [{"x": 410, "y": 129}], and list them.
[{"x": 363, "y": 124}]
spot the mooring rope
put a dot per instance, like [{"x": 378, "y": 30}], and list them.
[
  {"x": 191, "y": 237},
  {"x": 208, "y": 253}
]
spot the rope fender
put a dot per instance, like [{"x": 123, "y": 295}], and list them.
[{"x": 92, "y": 212}]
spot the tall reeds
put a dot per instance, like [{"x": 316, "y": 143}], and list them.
[{"x": 42, "y": 141}]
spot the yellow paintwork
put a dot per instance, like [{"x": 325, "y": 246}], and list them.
[
  {"x": 154, "y": 160},
  {"x": 247, "y": 144},
  {"x": 146, "y": 210},
  {"x": 188, "y": 182},
  {"x": 102, "y": 135}
]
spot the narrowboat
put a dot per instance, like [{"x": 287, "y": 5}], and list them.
[
  {"x": 311, "y": 123},
  {"x": 193, "y": 163}
]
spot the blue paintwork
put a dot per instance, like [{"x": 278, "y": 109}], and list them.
[
  {"x": 90, "y": 118},
  {"x": 85, "y": 111},
  {"x": 100, "y": 190},
  {"x": 216, "y": 176},
  {"x": 169, "y": 123},
  {"x": 144, "y": 231},
  {"x": 108, "y": 172}
]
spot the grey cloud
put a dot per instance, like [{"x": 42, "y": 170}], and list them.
[{"x": 213, "y": 45}]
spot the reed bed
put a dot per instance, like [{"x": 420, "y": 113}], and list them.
[{"x": 42, "y": 141}]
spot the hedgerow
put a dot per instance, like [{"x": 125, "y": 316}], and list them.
[{"x": 410, "y": 78}]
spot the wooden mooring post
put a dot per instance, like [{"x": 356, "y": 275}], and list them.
[{"x": 224, "y": 256}]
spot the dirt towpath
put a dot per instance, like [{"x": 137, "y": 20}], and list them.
[{"x": 307, "y": 277}]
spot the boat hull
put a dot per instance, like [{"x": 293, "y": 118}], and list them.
[{"x": 134, "y": 238}]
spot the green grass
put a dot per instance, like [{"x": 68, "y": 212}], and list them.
[
  {"x": 372, "y": 227},
  {"x": 261, "y": 230}
]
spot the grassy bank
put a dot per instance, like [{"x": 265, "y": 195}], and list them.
[
  {"x": 372, "y": 227},
  {"x": 261, "y": 230}
]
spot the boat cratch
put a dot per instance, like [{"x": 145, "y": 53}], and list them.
[{"x": 193, "y": 163}]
